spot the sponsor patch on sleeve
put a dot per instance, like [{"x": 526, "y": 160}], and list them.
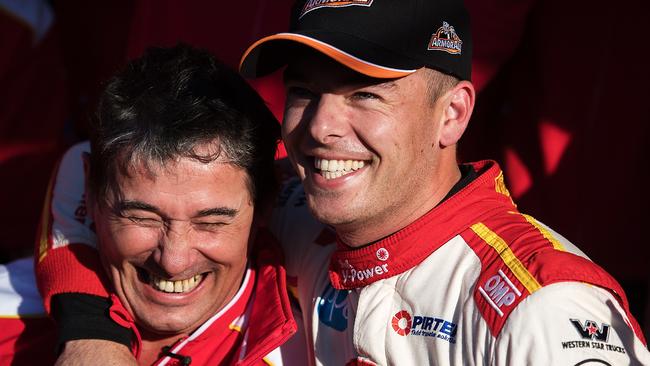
[{"x": 591, "y": 334}]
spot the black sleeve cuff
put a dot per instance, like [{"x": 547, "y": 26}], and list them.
[{"x": 82, "y": 316}]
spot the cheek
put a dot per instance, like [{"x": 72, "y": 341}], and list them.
[
  {"x": 288, "y": 131},
  {"x": 118, "y": 243},
  {"x": 380, "y": 135},
  {"x": 240, "y": 238},
  {"x": 228, "y": 246},
  {"x": 293, "y": 121}
]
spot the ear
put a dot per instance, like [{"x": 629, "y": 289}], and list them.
[{"x": 458, "y": 109}]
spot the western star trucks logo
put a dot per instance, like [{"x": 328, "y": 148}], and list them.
[
  {"x": 591, "y": 330},
  {"x": 315, "y": 4},
  {"x": 593, "y": 336},
  {"x": 446, "y": 39},
  {"x": 405, "y": 324}
]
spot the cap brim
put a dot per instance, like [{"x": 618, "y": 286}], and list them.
[{"x": 272, "y": 52}]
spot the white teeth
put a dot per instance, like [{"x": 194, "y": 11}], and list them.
[
  {"x": 169, "y": 286},
  {"x": 331, "y": 169},
  {"x": 324, "y": 164},
  {"x": 175, "y": 286},
  {"x": 333, "y": 166}
]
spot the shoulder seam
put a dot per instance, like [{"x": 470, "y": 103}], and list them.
[{"x": 507, "y": 256}]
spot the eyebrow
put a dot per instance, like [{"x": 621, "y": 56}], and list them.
[
  {"x": 390, "y": 84},
  {"x": 139, "y": 205},
  {"x": 217, "y": 211},
  {"x": 122, "y": 206}
]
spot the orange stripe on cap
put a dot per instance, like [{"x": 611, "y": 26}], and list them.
[{"x": 354, "y": 63}]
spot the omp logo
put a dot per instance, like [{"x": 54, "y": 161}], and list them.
[
  {"x": 405, "y": 324},
  {"x": 382, "y": 254},
  {"x": 499, "y": 291},
  {"x": 315, "y": 4},
  {"x": 446, "y": 39},
  {"x": 402, "y": 322},
  {"x": 591, "y": 330},
  {"x": 333, "y": 308},
  {"x": 352, "y": 274}
]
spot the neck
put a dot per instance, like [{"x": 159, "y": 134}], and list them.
[
  {"x": 151, "y": 350},
  {"x": 358, "y": 234}
]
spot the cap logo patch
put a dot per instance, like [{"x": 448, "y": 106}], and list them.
[
  {"x": 446, "y": 39},
  {"x": 315, "y": 4}
]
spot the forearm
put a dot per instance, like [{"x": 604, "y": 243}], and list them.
[{"x": 95, "y": 352}]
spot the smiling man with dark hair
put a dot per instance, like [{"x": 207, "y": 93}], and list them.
[{"x": 179, "y": 171}]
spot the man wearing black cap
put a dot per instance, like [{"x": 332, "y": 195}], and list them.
[{"x": 429, "y": 261}]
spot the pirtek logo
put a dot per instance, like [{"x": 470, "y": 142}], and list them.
[
  {"x": 401, "y": 322},
  {"x": 499, "y": 291},
  {"x": 315, "y": 4},
  {"x": 425, "y": 326},
  {"x": 591, "y": 330}
]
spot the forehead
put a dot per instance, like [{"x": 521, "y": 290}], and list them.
[
  {"x": 308, "y": 65},
  {"x": 182, "y": 184},
  {"x": 316, "y": 69}
]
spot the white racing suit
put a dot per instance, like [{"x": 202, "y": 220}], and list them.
[{"x": 472, "y": 282}]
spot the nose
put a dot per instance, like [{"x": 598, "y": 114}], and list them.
[
  {"x": 327, "y": 119},
  {"x": 175, "y": 249}
]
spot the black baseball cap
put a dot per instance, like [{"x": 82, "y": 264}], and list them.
[{"x": 378, "y": 38}]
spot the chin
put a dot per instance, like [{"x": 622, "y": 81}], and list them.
[
  {"x": 333, "y": 217},
  {"x": 175, "y": 326}
]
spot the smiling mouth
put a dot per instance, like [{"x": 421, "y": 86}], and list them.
[
  {"x": 176, "y": 286},
  {"x": 332, "y": 169}
]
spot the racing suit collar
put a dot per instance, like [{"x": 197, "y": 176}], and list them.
[{"x": 357, "y": 267}]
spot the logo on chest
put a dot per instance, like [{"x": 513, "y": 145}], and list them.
[
  {"x": 333, "y": 308},
  {"x": 499, "y": 292},
  {"x": 352, "y": 274},
  {"x": 405, "y": 324}
]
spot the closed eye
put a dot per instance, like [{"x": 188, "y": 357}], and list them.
[
  {"x": 210, "y": 226},
  {"x": 144, "y": 221}
]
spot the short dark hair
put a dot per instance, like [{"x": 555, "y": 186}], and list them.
[
  {"x": 169, "y": 102},
  {"x": 439, "y": 83}
]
